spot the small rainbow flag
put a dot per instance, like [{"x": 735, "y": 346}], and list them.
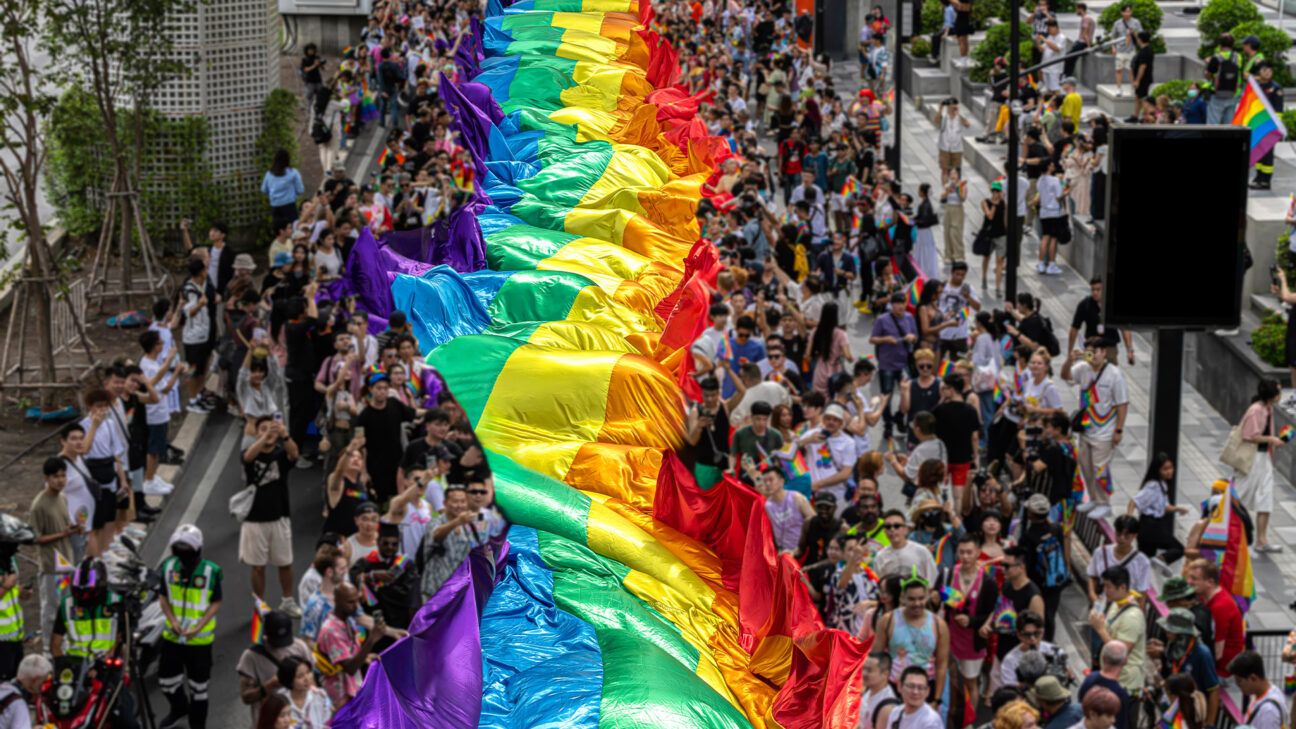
[
  {"x": 389, "y": 157},
  {"x": 1104, "y": 480},
  {"x": 1255, "y": 113},
  {"x": 856, "y": 223},
  {"x": 367, "y": 594},
  {"x": 946, "y": 366},
  {"x": 850, "y": 187},
  {"x": 259, "y": 610},
  {"x": 1289, "y": 680},
  {"x": 1286, "y": 433},
  {"x": 997, "y": 394},
  {"x": 915, "y": 290},
  {"x": 1172, "y": 719}
]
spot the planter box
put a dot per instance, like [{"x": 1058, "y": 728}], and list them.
[
  {"x": 923, "y": 78},
  {"x": 1266, "y": 221},
  {"x": 1087, "y": 251}
]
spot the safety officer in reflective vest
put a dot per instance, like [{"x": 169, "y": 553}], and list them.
[
  {"x": 190, "y": 598},
  {"x": 11, "y": 614},
  {"x": 87, "y": 627}
]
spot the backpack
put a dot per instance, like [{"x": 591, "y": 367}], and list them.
[
  {"x": 1226, "y": 78},
  {"x": 1051, "y": 561},
  {"x": 320, "y": 131}
]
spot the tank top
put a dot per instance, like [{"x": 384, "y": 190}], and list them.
[
  {"x": 912, "y": 646},
  {"x": 786, "y": 520},
  {"x": 341, "y": 518},
  {"x": 922, "y": 399}
]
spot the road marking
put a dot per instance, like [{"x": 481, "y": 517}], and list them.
[{"x": 203, "y": 493}]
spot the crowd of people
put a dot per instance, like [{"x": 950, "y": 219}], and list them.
[{"x": 956, "y": 575}]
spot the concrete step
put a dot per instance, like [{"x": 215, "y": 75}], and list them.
[
  {"x": 1263, "y": 305},
  {"x": 1119, "y": 105},
  {"x": 930, "y": 83}
]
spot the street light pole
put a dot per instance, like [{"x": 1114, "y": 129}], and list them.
[
  {"x": 1014, "y": 149},
  {"x": 893, "y": 152}
]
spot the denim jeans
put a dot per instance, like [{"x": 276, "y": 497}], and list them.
[
  {"x": 1220, "y": 110},
  {"x": 887, "y": 381}
]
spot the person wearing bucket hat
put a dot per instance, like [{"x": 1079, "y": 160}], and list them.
[
  {"x": 1183, "y": 651},
  {"x": 1057, "y": 709},
  {"x": 1177, "y": 593}
]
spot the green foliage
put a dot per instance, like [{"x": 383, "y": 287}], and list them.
[
  {"x": 920, "y": 47},
  {"x": 1273, "y": 44},
  {"x": 1269, "y": 340},
  {"x": 174, "y": 170},
  {"x": 278, "y": 127},
  {"x": 995, "y": 45},
  {"x": 932, "y": 16},
  {"x": 1289, "y": 121},
  {"x": 1222, "y": 16},
  {"x": 1062, "y": 6},
  {"x": 1147, "y": 12},
  {"x": 1176, "y": 89}
]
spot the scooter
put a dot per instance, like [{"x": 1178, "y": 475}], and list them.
[{"x": 80, "y": 694}]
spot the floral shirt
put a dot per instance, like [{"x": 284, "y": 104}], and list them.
[
  {"x": 338, "y": 641},
  {"x": 318, "y": 607}
]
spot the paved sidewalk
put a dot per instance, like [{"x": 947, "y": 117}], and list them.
[{"x": 1203, "y": 429}]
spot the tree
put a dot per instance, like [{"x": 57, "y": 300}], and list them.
[
  {"x": 24, "y": 104},
  {"x": 119, "y": 50}
]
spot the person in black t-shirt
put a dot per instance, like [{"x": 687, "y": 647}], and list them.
[
  {"x": 381, "y": 420},
  {"x": 958, "y": 425},
  {"x": 312, "y": 69},
  {"x": 265, "y": 537},
  {"x": 1035, "y": 159},
  {"x": 300, "y": 332},
  {"x": 1141, "y": 67},
  {"x": 1089, "y": 314},
  {"x": 1020, "y": 593},
  {"x": 138, "y": 393}
]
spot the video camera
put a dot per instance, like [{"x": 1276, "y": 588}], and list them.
[
  {"x": 1055, "y": 665},
  {"x": 130, "y": 577}
]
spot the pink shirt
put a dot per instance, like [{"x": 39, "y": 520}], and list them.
[{"x": 339, "y": 640}]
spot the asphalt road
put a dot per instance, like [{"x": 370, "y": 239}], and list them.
[{"x": 211, "y": 477}]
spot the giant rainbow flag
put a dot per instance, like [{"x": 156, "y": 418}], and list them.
[{"x": 558, "y": 306}]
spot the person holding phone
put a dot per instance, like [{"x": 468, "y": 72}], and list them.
[{"x": 448, "y": 540}]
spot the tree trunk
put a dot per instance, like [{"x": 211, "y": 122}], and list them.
[
  {"x": 122, "y": 200},
  {"x": 41, "y": 266}
]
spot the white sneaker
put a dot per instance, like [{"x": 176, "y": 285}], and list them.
[
  {"x": 1053, "y": 269},
  {"x": 1086, "y": 507},
  {"x": 1102, "y": 511},
  {"x": 196, "y": 407},
  {"x": 157, "y": 487},
  {"x": 1040, "y": 268},
  {"x": 288, "y": 606}
]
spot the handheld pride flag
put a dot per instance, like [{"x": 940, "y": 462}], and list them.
[
  {"x": 1286, "y": 433},
  {"x": 1255, "y": 113},
  {"x": 259, "y": 610}
]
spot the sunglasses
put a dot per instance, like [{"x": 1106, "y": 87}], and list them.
[
  {"x": 915, "y": 687},
  {"x": 477, "y": 492},
  {"x": 924, "y": 366},
  {"x": 889, "y": 527},
  {"x": 1030, "y": 634}
]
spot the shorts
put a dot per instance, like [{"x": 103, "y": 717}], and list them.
[
  {"x": 198, "y": 355},
  {"x": 105, "y": 511},
  {"x": 157, "y": 439},
  {"x": 1054, "y": 227},
  {"x": 266, "y": 542},
  {"x": 1123, "y": 60},
  {"x": 970, "y": 668},
  {"x": 962, "y": 24},
  {"x": 951, "y": 161},
  {"x": 1000, "y": 245},
  {"x": 958, "y": 473},
  {"x": 953, "y": 348}
]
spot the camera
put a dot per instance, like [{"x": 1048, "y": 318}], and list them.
[
  {"x": 1055, "y": 665},
  {"x": 1034, "y": 442}
]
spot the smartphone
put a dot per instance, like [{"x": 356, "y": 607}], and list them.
[
  {"x": 278, "y": 417},
  {"x": 359, "y": 431},
  {"x": 258, "y": 333},
  {"x": 1273, "y": 275},
  {"x": 481, "y": 516}
]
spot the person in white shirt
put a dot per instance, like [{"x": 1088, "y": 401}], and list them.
[
  {"x": 711, "y": 345},
  {"x": 1030, "y": 636},
  {"x": 105, "y": 456},
  {"x": 1053, "y": 45},
  {"x": 1123, "y": 553},
  {"x": 362, "y": 342},
  {"x": 163, "y": 373},
  {"x": 756, "y": 390},
  {"x": 1268, "y": 708},
  {"x": 949, "y": 138},
  {"x": 830, "y": 455},
  {"x": 914, "y": 712},
  {"x": 902, "y": 557},
  {"x": 196, "y": 332},
  {"x": 80, "y": 501},
  {"x": 878, "y": 699},
  {"x": 1104, "y": 401}
]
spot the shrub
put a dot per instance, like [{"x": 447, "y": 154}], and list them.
[
  {"x": 1273, "y": 44},
  {"x": 1221, "y": 16},
  {"x": 1289, "y": 121},
  {"x": 1269, "y": 340},
  {"x": 1147, "y": 12},
  {"x": 933, "y": 12},
  {"x": 1062, "y": 6},
  {"x": 995, "y": 45},
  {"x": 984, "y": 10},
  {"x": 1176, "y": 89},
  {"x": 920, "y": 47}
]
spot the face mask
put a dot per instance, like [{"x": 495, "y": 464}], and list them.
[
  {"x": 1192, "y": 93},
  {"x": 188, "y": 557}
]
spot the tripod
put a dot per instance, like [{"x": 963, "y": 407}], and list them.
[{"x": 130, "y": 610}]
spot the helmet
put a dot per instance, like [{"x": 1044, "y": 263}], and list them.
[
  {"x": 90, "y": 581},
  {"x": 189, "y": 535}
]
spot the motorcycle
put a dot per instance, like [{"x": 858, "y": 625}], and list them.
[{"x": 80, "y": 694}]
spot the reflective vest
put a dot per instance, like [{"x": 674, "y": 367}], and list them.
[
  {"x": 90, "y": 632},
  {"x": 11, "y": 617},
  {"x": 190, "y": 596}
]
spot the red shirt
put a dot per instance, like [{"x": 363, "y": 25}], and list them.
[{"x": 1228, "y": 628}]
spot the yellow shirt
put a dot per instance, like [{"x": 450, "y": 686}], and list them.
[{"x": 1071, "y": 108}]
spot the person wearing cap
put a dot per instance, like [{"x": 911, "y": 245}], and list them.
[
  {"x": 190, "y": 598},
  {"x": 902, "y": 556},
  {"x": 1176, "y": 592},
  {"x": 1252, "y": 56},
  {"x": 259, "y": 663},
  {"x": 949, "y": 137},
  {"x": 1183, "y": 651},
  {"x": 385, "y": 578},
  {"x": 830, "y": 454},
  {"x": 1057, "y": 710},
  {"x": 1273, "y": 91},
  {"x": 1043, "y": 540},
  {"x": 1072, "y": 102}
]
